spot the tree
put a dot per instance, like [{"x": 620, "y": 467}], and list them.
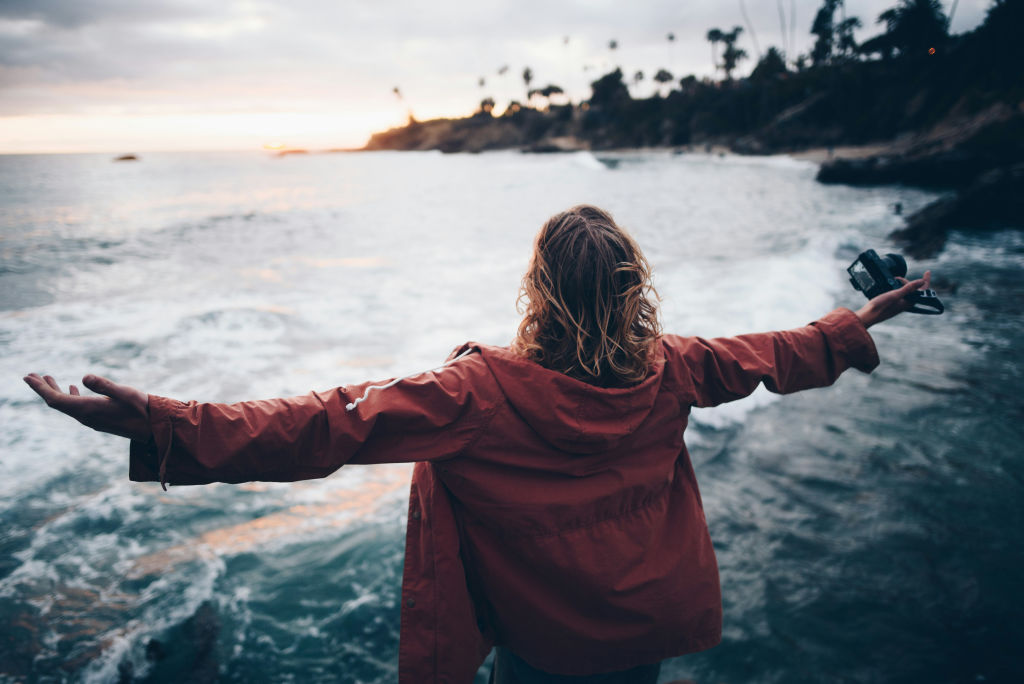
[
  {"x": 846, "y": 44},
  {"x": 527, "y": 78},
  {"x": 486, "y": 106},
  {"x": 688, "y": 84},
  {"x": 915, "y": 26},
  {"x": 731, "y": 55},
  {"x": 714, "y": 36},
  {"x": 662, "y": 77},
  {"x": 609, "y": 89},
  {"x": 771, "y": 65},
  {"x": 823, "y": 29},
  {"x": 547, "y": 92},
  {"x": 638, "y": 77},
  {"x": 613, "y": 45}
]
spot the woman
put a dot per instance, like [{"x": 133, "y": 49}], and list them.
[{"x": 554, "y": 511}]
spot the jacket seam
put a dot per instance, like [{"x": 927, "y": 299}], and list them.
[{"x": 484, "y": 424}]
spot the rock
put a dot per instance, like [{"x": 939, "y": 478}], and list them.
[
  {"x": 126, "y": 157},
  {"x": 952, "y": 169},
  {"x": 994, "y": 200},
  {"x": 953, "y": 154}
]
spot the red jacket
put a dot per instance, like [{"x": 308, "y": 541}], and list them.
[{"x": 557, "y": 518}]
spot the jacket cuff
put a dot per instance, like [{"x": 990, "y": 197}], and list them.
[
  {"x": 147, "y": 461},
  {"x": 850, "y": 339}
]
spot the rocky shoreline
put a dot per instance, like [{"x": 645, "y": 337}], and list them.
[{"x": 950, "y": 118}]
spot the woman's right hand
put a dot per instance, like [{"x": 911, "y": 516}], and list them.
[{"x": 122, "y": 410}]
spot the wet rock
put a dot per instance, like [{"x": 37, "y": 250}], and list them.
[
  {"x": 943, "y": 170},
  {"x": 994, "y": 200}
]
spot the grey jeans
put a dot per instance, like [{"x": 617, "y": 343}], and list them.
[{"x": 511, "y": 669}]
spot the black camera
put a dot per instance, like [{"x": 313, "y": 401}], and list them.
[{"x": 873, "y": 275}]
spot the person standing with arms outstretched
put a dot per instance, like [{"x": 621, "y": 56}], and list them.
[{"x": 554, "y": 512}]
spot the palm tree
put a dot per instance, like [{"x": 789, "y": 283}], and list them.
[
  {"x": 527, "y": 78},
  {"x": 662, "y": 77},
  {"x": 714, "y": 37},
  {"x": 637, "y": 78},
  {"x": 671, "y": 38},
  {"x": 548, "y": 92},
  {"x": 732, "y": 54},
  {"x": 824, "y": 28}
]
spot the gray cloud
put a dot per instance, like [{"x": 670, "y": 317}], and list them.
[{"x": 67, "y": 56}]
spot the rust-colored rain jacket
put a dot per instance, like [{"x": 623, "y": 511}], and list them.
[{"x": 559, "y": 519}]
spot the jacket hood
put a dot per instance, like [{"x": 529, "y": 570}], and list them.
[{"x": 567, "y": 413}]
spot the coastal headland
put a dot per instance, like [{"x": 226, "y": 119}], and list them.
[{"x": 945, "y": 114}]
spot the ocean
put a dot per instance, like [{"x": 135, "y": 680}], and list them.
[{"x": 868, "y": 532}]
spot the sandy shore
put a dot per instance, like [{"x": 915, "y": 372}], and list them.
[{"x": 823, "y": 154}]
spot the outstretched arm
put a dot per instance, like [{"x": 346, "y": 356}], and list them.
[
  {"x": 728, "y": 368},
  {"x": 430, "y": 416}
]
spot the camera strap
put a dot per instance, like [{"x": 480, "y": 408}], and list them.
[{"x": 925, "y": 302}]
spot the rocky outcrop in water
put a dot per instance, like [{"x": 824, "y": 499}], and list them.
[
  {"x": 981, "y": 159},
  {"x": 994, "y": 200}
]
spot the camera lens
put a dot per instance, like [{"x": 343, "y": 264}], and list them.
[{"x": 896, "y": 263}]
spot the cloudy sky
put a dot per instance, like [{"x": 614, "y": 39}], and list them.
[{"x": 130, "y": 75}]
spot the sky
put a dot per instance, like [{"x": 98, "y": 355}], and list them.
[{"x": 128, "y": 76}]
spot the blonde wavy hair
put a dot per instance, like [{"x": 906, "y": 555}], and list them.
[{"x": 589, "y": 308}]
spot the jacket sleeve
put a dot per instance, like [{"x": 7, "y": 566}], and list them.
[
  {"x": 728, "y": 368},
  {"x": 432, "y": 416}
]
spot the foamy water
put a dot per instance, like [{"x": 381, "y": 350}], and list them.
[{"x": 224, "y": 277}]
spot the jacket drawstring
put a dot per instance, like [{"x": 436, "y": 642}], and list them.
[
  {"x": 167, "y": 452},
  {"x": 350, "y": 406}
]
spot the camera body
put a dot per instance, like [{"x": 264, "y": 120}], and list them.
[{"x": 874, "y": 275}]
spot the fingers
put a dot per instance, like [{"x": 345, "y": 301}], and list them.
[
  {"x": 73, "y": 391},
  {"x": 109, "y": 388},
  {"x": 101, "y": 385},
  {"x": 910, "y": 286},
  {"x": 927, "y": 279},
  {"x": 45, "y": 388}
]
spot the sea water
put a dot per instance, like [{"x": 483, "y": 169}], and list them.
[{"x": 872, "y": 531}]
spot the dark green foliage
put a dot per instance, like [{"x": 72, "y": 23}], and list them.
[
  {"x": 609, "y": 90},
  {"x": 915, "y": 26},
  {"x": 823, "y": 29},
  {"x": 771, "y": 65}
]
